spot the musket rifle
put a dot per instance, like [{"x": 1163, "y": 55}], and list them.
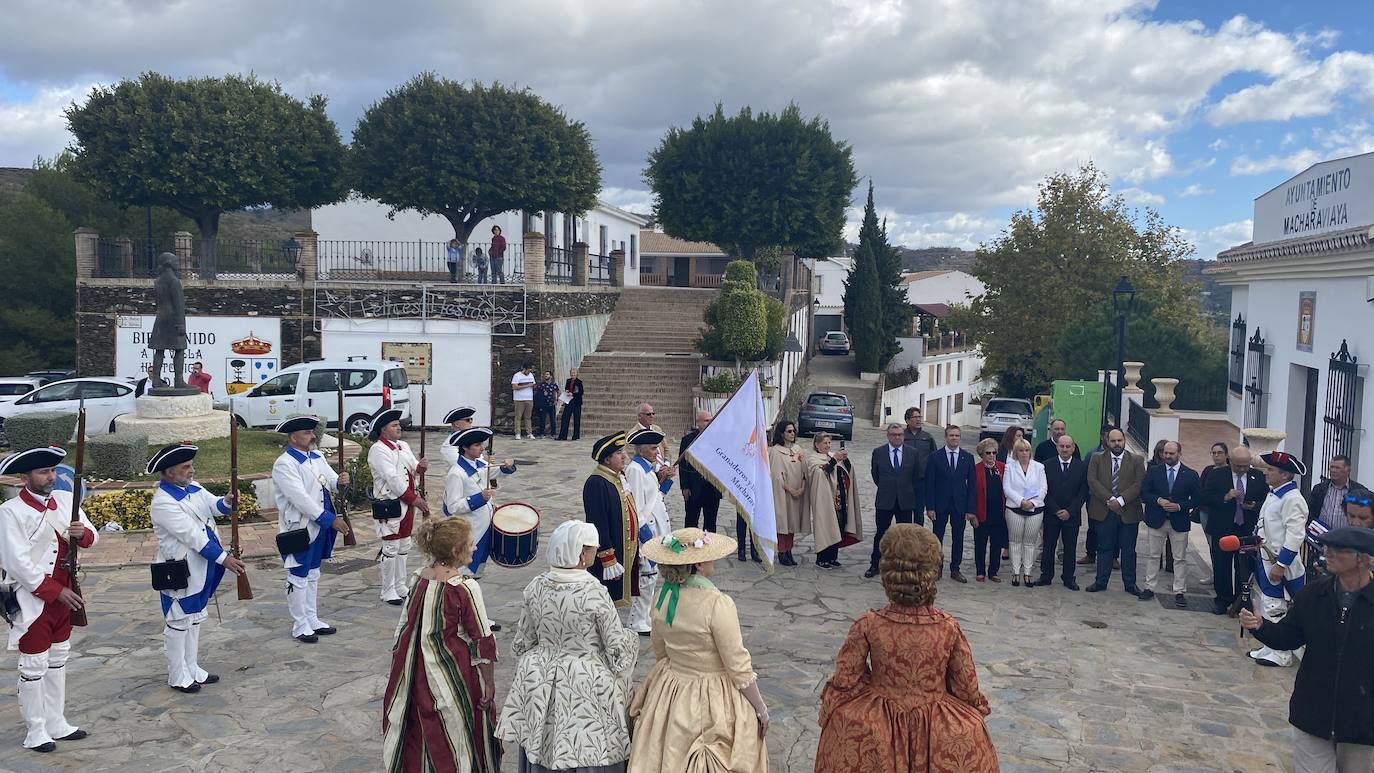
[
  {"x": 350, "y": 539},
  {"x": 423, "y": 416},
  {"x": 245, "y": 590},
  {"x": 78, "y": 615}
]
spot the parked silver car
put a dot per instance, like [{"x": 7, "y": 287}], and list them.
[
  {"x": 834, "y": 342},
  {"x": 826, "y": 412},
  {"x": 1002, "y": 413}
]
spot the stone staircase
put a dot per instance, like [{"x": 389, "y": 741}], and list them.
[{"x": 647, "y": 354}]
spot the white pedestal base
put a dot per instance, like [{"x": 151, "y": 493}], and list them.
[{"x": 172, "y": 419}]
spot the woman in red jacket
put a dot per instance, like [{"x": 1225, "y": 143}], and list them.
[{"x": 989, "y": 521}]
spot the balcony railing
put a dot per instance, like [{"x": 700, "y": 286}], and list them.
[
  {"x": 946, "y": 342},
  {"x": 558, "y": 265},
  {"x": 598, "y": 270},
  {"x": 234, "y": 258},
  {"x": 418, "y": 261}
]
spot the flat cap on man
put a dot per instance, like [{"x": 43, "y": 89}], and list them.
[{"x": 1351, "y": 538}]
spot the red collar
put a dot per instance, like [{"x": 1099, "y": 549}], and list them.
[
  {"x": 389, "y": 444},
  {"x": 35, "y": 502}
]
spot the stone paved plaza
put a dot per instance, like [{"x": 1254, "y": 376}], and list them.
[{"x": 1077, "y": 682}]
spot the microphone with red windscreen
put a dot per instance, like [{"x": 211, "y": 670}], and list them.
[{"x": 1231, "y": 543}]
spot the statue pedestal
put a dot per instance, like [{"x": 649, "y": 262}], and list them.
[{"x": 173, "y": 418}]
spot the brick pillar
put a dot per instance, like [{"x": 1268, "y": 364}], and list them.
[
  {"x": 580, "y": 254},
  {"x": 308, "y": 262},
  {"x": 617, "y": 268},
  {"x": 181, "y": 246},
  {"x": 87, "y": 247},
  {"x": 534, "y": 258}
]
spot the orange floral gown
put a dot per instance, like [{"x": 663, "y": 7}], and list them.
[{"x": 904, "y": 698}]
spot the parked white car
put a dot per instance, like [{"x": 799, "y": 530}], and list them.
[
  {"x": 311, "y": 388},
  {"x": 106, "y": 399},
  {"x": 12, "y": 389}
]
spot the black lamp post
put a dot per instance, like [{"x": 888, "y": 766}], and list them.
[{"x": 1123, "y": 299}]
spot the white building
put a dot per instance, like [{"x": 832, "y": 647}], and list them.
[
  {"x": 1302, "y": 323},
  {"x": 357, "y": 220},
  {"x": 942, "y": 286},
  {"x": 828, "y": 276},
  {"x": 947, "y": 368}
]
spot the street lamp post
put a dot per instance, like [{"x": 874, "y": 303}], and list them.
[{"x": 1123, "y": 299}]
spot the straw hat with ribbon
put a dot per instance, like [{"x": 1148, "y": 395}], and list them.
[{"x": 685, "y": 547}]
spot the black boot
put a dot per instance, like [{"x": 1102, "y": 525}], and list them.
[{"x": 739, "y": 554}]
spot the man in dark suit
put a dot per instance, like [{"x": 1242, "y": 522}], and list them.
[
  {"x": 950, "y": 496},
  {"x": 148, "y": 383},
  {"x": 1049, "y": 447},
  {"x": 699, "y": 495},
  {"x": 1232, "y": 500},
  {"x": 1170, "y": 495},
  {"x": 894, "y": 469},
  {"x": 1066, "y": 477},
  {"x": 572, "y": 410},
  {"x": 916, "y": 436},
  {"x": 1115, "y": 478}
]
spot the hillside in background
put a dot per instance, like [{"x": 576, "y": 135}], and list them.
[
  {"x": 1216, "y": 298},
  {"x": 930, "y": 258}
]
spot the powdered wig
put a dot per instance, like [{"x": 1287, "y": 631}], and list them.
[
  {"x": 676, "y": 573},
  {"x": 910, "y": 565},
  {"x": 443, "y": 539}
]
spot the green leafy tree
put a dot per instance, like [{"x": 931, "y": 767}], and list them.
[
  {"x": 737, "y": 319},
  {"x": 206, "y": 146},
  {"x": 467, "y": 153},
  {"x": 1059, "y": 262},
  {"x": 37, "y": 326},
  {"x": 751, "y": 181}
]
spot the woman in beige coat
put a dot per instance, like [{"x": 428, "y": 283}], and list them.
[
  {"x": 787, "y": 463},
  {"x": 832, "y": 495}
]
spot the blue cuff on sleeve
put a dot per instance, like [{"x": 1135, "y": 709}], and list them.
[
  {"x": 476, "y": 501},
  {"x": 1286, "y": 556},
  {"x": 326, "y": 519},
  {"x": 223, "y": 507},
  {"x": 507, "y": 470},
  {"x": 211, "y": 552},
  {"x": 645, "y": 533},
  {"x": 666, "y": 485}
]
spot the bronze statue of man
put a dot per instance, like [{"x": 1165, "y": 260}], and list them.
[{"x": 169, "y": 327}]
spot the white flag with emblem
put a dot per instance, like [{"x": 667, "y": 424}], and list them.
[{"x": 732, "y": 453}]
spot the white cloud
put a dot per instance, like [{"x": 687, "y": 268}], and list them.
[
  {"x": 964, "y": 230},
  {"x": 1349, "y": 140},
  {"x": 1211, "y": 241},
  {"x": 1196, "y": 189},
  {"x": 37, "y": 127},
  {"x": 1218, "y": 144},
  {"x": 1310, "y": 89},
  {"x": 1141, "y": 197}
]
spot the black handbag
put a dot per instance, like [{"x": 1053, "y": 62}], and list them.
[
  {"x": 9, "y": 603},
  {"x": 294, "y": 541},
  {"x": 171, "y": 575},
  {"x": 386, "y": 509}
]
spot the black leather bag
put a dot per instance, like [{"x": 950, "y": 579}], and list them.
[
  {"x": 293, "y": 541},
  {"x": 386, "y": 509},
  {"x": 9, "y": 603},
  {"x": 171, "y": 575}
]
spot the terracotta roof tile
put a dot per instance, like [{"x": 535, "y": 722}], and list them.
[{"x": 655, "y": 243}]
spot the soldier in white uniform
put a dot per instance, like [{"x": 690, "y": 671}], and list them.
[
  {"x": 34, "y": 529},
  {"x": 305, "y": 486},
  {"x": 184, "y": 524},
  {"x": 648, "y": 479},
  {"x": 394, "y": 499},
  {"x": 458, "y": 420},
  {"x": 1282, "y": 525},
  {"x": 466, "y": 491}
]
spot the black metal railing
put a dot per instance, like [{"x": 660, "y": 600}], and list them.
[
  {"x": 945, "y": 342},
  {"x": 598, "y": 270},
  {"x": 234, "y": 258},
  {"x": 1138, "y": 424},
  {"x": 1257, "y": 382},
  {"x": 1111, "y": 401},
  {"x": 1342, "y": 417},
  {"x": 471, "y": 263},
  {"x": 1193, "y": 396},
  {"x": 558, "y": 265},
  {"x": 1236, "y": 369}
]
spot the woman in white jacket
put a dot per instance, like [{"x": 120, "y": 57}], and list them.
[{"x": 1024, "y": 487}]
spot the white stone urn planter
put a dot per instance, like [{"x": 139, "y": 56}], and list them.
[
  {"x": 1133, "y": 377},
  {"x": 1164, "y": 394},
  {"x": 1263, "y": 440}
]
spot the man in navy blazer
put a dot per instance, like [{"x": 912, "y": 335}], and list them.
[
  {"x": 1170, "y": 493},
  {"x": 950, "y": 495}
]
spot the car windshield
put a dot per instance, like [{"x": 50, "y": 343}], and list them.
[
  {"x": 838, "y": 400},
  {"x": 10, "y": 390},
  {"x": 1008, "y": 406}
]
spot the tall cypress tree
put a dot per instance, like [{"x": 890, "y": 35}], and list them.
[{"x": 875, "y": 307}]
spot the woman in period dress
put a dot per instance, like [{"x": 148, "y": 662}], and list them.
[
  {"x": 437, "y": 711},
  {"x": 905, "y": 697},
  {"x": 787, "y": 463},
  {"x": 832, "y": 498},
  {"x": 566, "y": 707},
  {"x": 699, "y": 710}
]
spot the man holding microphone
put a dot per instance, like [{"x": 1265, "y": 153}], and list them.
[{"x": 1332, "y": 707}]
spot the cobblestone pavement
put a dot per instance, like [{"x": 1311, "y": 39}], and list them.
[{"x": 1077, "y": 682}]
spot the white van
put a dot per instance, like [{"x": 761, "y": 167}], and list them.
[{"x": 311, "y": 388}]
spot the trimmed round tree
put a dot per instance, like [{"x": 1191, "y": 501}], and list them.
[
  {"x": 737, "y": 319},
  {"x": 206, "y": 146},
  {"x": 468, "y": 153}
]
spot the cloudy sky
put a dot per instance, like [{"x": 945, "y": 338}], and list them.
[{"x": 955, "y": 108}]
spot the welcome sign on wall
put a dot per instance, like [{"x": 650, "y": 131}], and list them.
[{"x": 238, "y": 352}]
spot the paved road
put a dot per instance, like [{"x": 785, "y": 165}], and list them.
[{"x": 1077, "y": 682}]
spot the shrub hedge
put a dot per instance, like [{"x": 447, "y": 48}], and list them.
[
  {"x": 133, "y": 509},
  {"x": 119, "y": 456},
  {"x": 44, "y": 428}
]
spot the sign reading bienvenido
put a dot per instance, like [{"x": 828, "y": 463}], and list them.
[{"x": 1329, "y": 196}]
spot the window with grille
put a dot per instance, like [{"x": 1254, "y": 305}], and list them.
[
  {"x": 1236, "y": 381},
  {"x": 1344, "y": 394}
]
